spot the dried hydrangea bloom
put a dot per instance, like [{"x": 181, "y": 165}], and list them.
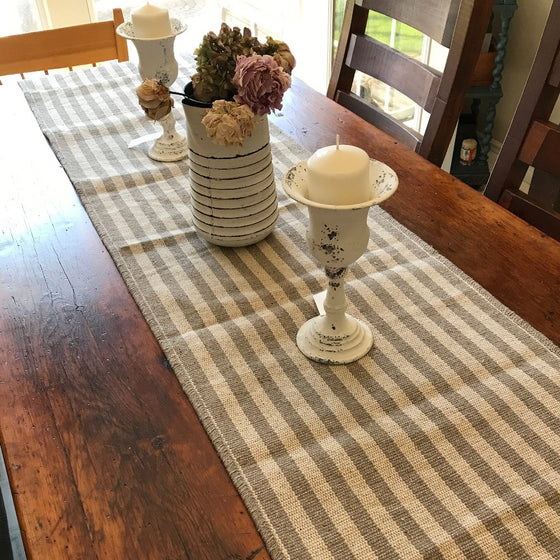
[
  {"x": 260, "y": 83},
  {"x": 228, "y": 123},
  {"x": 215, "y": 61},
  {"x": 154, "y": 98}
]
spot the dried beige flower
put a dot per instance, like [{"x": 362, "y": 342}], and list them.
[
  {"x": 154, "y": 98},
  {"x": 281, "y": 54},
  {"x": 228, "y": 122}
]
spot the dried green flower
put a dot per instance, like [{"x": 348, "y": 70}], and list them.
[{"x": 215, "y": 61}]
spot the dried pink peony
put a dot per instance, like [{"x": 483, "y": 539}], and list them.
[
  {"x": 260, "y": 83},
  {"x": 228, "y": 123}
]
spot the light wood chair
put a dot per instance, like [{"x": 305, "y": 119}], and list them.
[
  {"x": 459, "y": 25},
  {"x": 533, "y": 140},
  {"x": 65, "y": 47}
]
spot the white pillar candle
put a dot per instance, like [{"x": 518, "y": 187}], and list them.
[
  {"x": 151, "y": 22},
  {"x": 338, "y": 175}
]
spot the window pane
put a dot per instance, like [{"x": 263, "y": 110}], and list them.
[
  {"x": 406, "y": 38},
  {"x": 409, "y": 40},
  {"x": 19, "y": 16}
]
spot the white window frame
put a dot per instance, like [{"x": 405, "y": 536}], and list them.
[{"x": 61, "y": 13}]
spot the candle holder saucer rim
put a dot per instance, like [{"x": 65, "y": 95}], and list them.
[
  {"x": 126, "y": 30},
  {"x": 295, "y": 185}
]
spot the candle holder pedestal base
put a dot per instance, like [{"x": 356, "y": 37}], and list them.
[
  {"x": 335, "y": 337},
  {"x": 170, "y": 146},
  {"x": 317, "y": 344}
]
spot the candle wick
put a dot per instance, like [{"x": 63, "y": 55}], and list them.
[{"x": 337, "y": 140}]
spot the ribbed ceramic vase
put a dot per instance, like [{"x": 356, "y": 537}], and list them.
[{"x": 233, "y": 191}]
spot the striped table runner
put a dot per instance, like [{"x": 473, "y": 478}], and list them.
[{"x": 443, "y": 442}]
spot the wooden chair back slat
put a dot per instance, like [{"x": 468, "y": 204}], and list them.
[
  {"x": 434, "y": 18},
  {"x": 63, "y": 48},
  {"x": 459, "y": 24},
  {"x": 533, "y": 140},
  {"x": 389, "y": 65},
  {"x": 541, "y": 147},
  {"x": 380, "y": 119}
]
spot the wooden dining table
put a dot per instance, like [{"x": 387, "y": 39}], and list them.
[{"x": 75, "y": 346}]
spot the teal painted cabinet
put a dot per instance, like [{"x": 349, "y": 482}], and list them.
[{"x": 478, "y": 121}]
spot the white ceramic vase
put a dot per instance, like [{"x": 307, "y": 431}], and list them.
[{"x": 233, "y": 190}]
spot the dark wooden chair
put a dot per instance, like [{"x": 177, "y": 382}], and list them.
[
  {"x": 65, "y": 47},
  {"x": 533, "y": 140},
  {"x": 459, "y": 25}
]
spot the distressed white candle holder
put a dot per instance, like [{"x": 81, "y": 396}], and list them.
[
  {"x": 337, "y": 236},
  {"x": 156, "y": 60}
]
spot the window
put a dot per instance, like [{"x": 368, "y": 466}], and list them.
[
  {"x": 19, "y": 16},
  {"x": 305, "y": 25},
  {"x": 300, "y": 23}
]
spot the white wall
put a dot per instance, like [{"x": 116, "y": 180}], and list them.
[{"x": 525, "y": 33}]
